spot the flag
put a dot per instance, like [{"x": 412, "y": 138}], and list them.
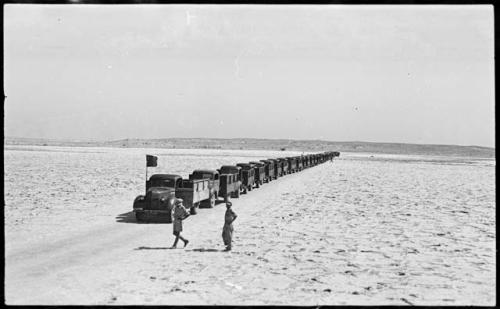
[{"x": 151, "y": 160}]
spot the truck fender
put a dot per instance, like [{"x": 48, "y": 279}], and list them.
[{"x": 138, "y": 201}]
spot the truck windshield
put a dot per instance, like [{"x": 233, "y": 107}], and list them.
[{"x": 163, "y": 183}]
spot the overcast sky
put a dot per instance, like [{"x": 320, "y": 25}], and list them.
[{"x": 412, "y": 74}]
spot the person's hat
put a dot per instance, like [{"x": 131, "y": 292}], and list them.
[{"x": 178, "y": 201}]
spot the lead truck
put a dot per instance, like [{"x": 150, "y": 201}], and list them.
[{"x": 163, "y": 189}]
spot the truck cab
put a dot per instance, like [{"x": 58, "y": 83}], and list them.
[{"x": 159, "y": 197}]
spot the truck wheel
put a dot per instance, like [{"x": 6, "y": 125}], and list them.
[{"x": 139, "y": 217}]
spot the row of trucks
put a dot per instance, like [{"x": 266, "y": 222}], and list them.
[{"x": 204, "y": 187}]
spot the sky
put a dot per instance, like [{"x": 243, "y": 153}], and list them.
[{"x": 406, "y": 74}]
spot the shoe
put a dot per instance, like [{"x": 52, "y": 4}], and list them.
[{"x": 186, "y": 243}]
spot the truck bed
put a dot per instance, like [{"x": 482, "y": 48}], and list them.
[{"x": 193, "y": 191}]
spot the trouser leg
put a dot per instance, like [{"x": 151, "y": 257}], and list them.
[{"x": 176, "y": 240}]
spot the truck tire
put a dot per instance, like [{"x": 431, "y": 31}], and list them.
[
  {"x": 139, "y": 217},
  {"x": 212, "y": 201},
  {"x": 236, "y": 194}
]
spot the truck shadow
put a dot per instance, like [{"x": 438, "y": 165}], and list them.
[
  {"x": 217, "y": 202},
  {"x": 129, "y": 217}
]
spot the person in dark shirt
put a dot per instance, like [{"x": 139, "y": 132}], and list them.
[{"x": 227, "y": 230}]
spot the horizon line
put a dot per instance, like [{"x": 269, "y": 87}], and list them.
[{"x": 235, "y": 138}]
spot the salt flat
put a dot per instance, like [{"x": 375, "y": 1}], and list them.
[{"x": 363, "y": 230}]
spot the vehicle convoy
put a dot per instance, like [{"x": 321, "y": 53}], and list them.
[
  {"x": 163, "y": 189},
  {"x": 213, "y": 184},
  {"x": 247, "y": 176},
  {"x": 204, "y": 186},
  {"x": 268, "y": 170},
  {"x": 230, "y": 181},
  {"x": 260, "y": 174}
]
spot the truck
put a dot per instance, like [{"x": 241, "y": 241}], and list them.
[
  {"x": 259, "y": 173},
  {"x": 305, "y": 161},
  {"x": 230, "y": 181},
  {"x": 161, "y": 192},
  {"x": 268, "y": 170},
  {"x": 247, "y": 176},
  {"x": 277, "y": 168},
  {"x": 284, "y": 165},
  {"x": 292, "y": 162},
  {"x": 299, "y": 163},
  {"x": 213, "y": 184}
]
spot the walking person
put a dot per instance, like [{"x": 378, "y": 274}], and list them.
[
  {"x": 227, "y": 230},
  {"x": 179, "y": 213}
]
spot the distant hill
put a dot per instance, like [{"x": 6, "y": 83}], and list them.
[{"x": 269, "y": 144}]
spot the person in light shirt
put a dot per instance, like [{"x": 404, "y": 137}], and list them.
[{"x": 179, "y": 213}]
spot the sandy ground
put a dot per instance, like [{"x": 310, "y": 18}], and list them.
[{"x": 381, "y": 230}]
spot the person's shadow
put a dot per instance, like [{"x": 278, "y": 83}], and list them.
[
  {"x": 170, "y": 248},
  {"x": 206, "y": 250}
]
